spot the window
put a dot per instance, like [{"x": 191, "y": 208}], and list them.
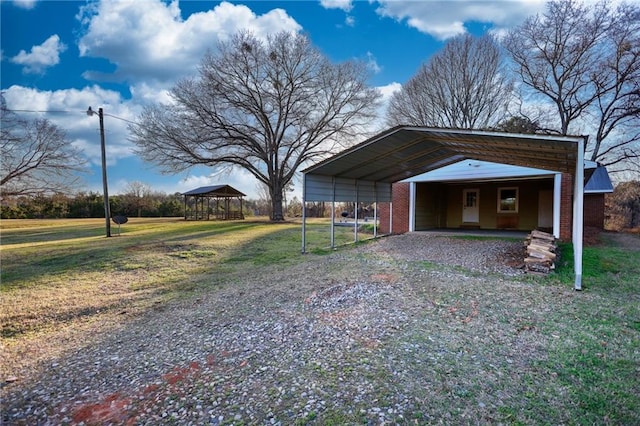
[{"x": 507, "y": 200}]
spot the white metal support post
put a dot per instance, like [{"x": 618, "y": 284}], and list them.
[
  {"x": 412, "y": 206},
  {"x": 333, "y": 212},
  {"x": 578, "y": 214},
  {"x": 304, "y": 214},
  {"x": 557, "y": 189},
  {"x": 355, "y": 213},
  {"x": 375, "y": 210}
]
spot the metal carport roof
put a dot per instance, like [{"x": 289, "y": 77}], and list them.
[
  {"x": 365, "y": 172},
  {"x": 402, "y": 152}
]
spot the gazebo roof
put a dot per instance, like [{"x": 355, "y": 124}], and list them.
[{"x": 215, "y": 191}]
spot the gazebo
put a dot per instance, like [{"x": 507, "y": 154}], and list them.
[{"x": 228, "y": 203}]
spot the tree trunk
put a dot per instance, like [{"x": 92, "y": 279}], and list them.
[{"x": 276, "y": 203}]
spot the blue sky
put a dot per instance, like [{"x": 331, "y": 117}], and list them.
[{"x": 64, "y": 56}]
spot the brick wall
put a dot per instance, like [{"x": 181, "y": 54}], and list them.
[
  {"x": 594, "y": 210},
  {"x": 566, "y": 207},
  {"x": 400, "y": 196},
  {"x": 383, "y": 217}
]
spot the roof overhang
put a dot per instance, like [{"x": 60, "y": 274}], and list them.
[
  {"x": 368, "y": 169},
  {"x": 480, "y": 171},
  {"x": 599, "y": 182}
]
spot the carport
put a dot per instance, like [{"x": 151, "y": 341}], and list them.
[{"x": 365, "y": 172}]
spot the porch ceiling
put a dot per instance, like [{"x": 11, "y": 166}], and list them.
[{"x": 402, "y": 152}]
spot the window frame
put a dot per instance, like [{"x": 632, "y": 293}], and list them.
[{"x": 517, "y": 199}]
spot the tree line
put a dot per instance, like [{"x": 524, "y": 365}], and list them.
[
  {"x": 91, "y": 205},
  {"x": 622, "y": 207},
  {"x": 139, "y": 200}
]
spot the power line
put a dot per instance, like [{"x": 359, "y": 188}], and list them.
[
  {"x": 120, "y": 118},
  {"x": 41, "y": 111},
  {"x": 69, "y": 112}
]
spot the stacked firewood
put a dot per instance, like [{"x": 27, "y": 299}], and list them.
[{"x": 541, "y": 253}]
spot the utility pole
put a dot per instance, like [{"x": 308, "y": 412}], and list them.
[{"x": 107, "y": 211}]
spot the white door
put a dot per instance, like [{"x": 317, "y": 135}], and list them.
[
  {"x": 470, "y": 209},
  {"x": 545, "y": 209}
]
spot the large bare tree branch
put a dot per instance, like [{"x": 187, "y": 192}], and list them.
[
  {"x": 585, "y": 61},
  {"x": 462, "y": 86},
  {"x": 36, "y": 157},
  {"x": 265, "y": 106}
]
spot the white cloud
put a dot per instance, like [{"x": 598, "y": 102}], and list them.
[
  {"x": 350, "y": 21},
  {"x": 388, "y": 90},
  {"x": 445, "y": 19},
  {"x": 149, "y": 40},
  {"x": 41, "y": 57},
  {"x": 81, "y": 129},
  {"x": 145, "y": 93},
  {"x": 25, "y": 4},
  {"x": 345, "y": 5},
  {"x": 372, "y": 64},
  {"x": 84, "y": 133}
]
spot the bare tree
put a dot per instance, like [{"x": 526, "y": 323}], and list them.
[
  {"x": 463, "y": 86},
  {"x": 518, "y": 124},
  {"x": 138, "y": 196},
  {"x": 624, "y": 206},
  {"x": 617, "y": 86},
  {"x": 36, "y": 157},
  {"x": 264, "y": 106},
  {"x": 585, "y": 61}
]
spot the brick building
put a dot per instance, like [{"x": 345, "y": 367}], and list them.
[
  {"x": 483, "y": 195},
  {"x": 391, "y": 168}
]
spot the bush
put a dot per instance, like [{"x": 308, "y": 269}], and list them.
[{"x": 623, "y": 207}]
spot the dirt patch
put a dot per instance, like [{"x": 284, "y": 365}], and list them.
[
  {"x": 479, "y": 255},
  {"x": 624, "y": 240},
  {"x": 591, "y": 236}
]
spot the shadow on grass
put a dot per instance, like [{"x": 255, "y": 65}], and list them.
[
  {"x": 62, "y": 256},
  {"x": 50, "y": 234},
  {"x": 103, "y": 275},
  {"x": 145, "y": 246}
]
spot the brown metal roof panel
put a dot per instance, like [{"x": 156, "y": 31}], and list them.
[
  {"x": 403, "y": 157},
  {"x": 408, "y": 151},
  {"x": 389, "y": 136},
  {"x": 400, "y": 173}
]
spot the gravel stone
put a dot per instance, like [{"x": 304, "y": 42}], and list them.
[{"x": 279, "y": 348}]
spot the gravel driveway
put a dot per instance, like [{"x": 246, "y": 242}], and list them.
[{"x": 373, "y": 334}]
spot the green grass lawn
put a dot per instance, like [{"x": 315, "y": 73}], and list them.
[
  {"x": 56, "y": 271},
  {"x": 597, "y": 354}
]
